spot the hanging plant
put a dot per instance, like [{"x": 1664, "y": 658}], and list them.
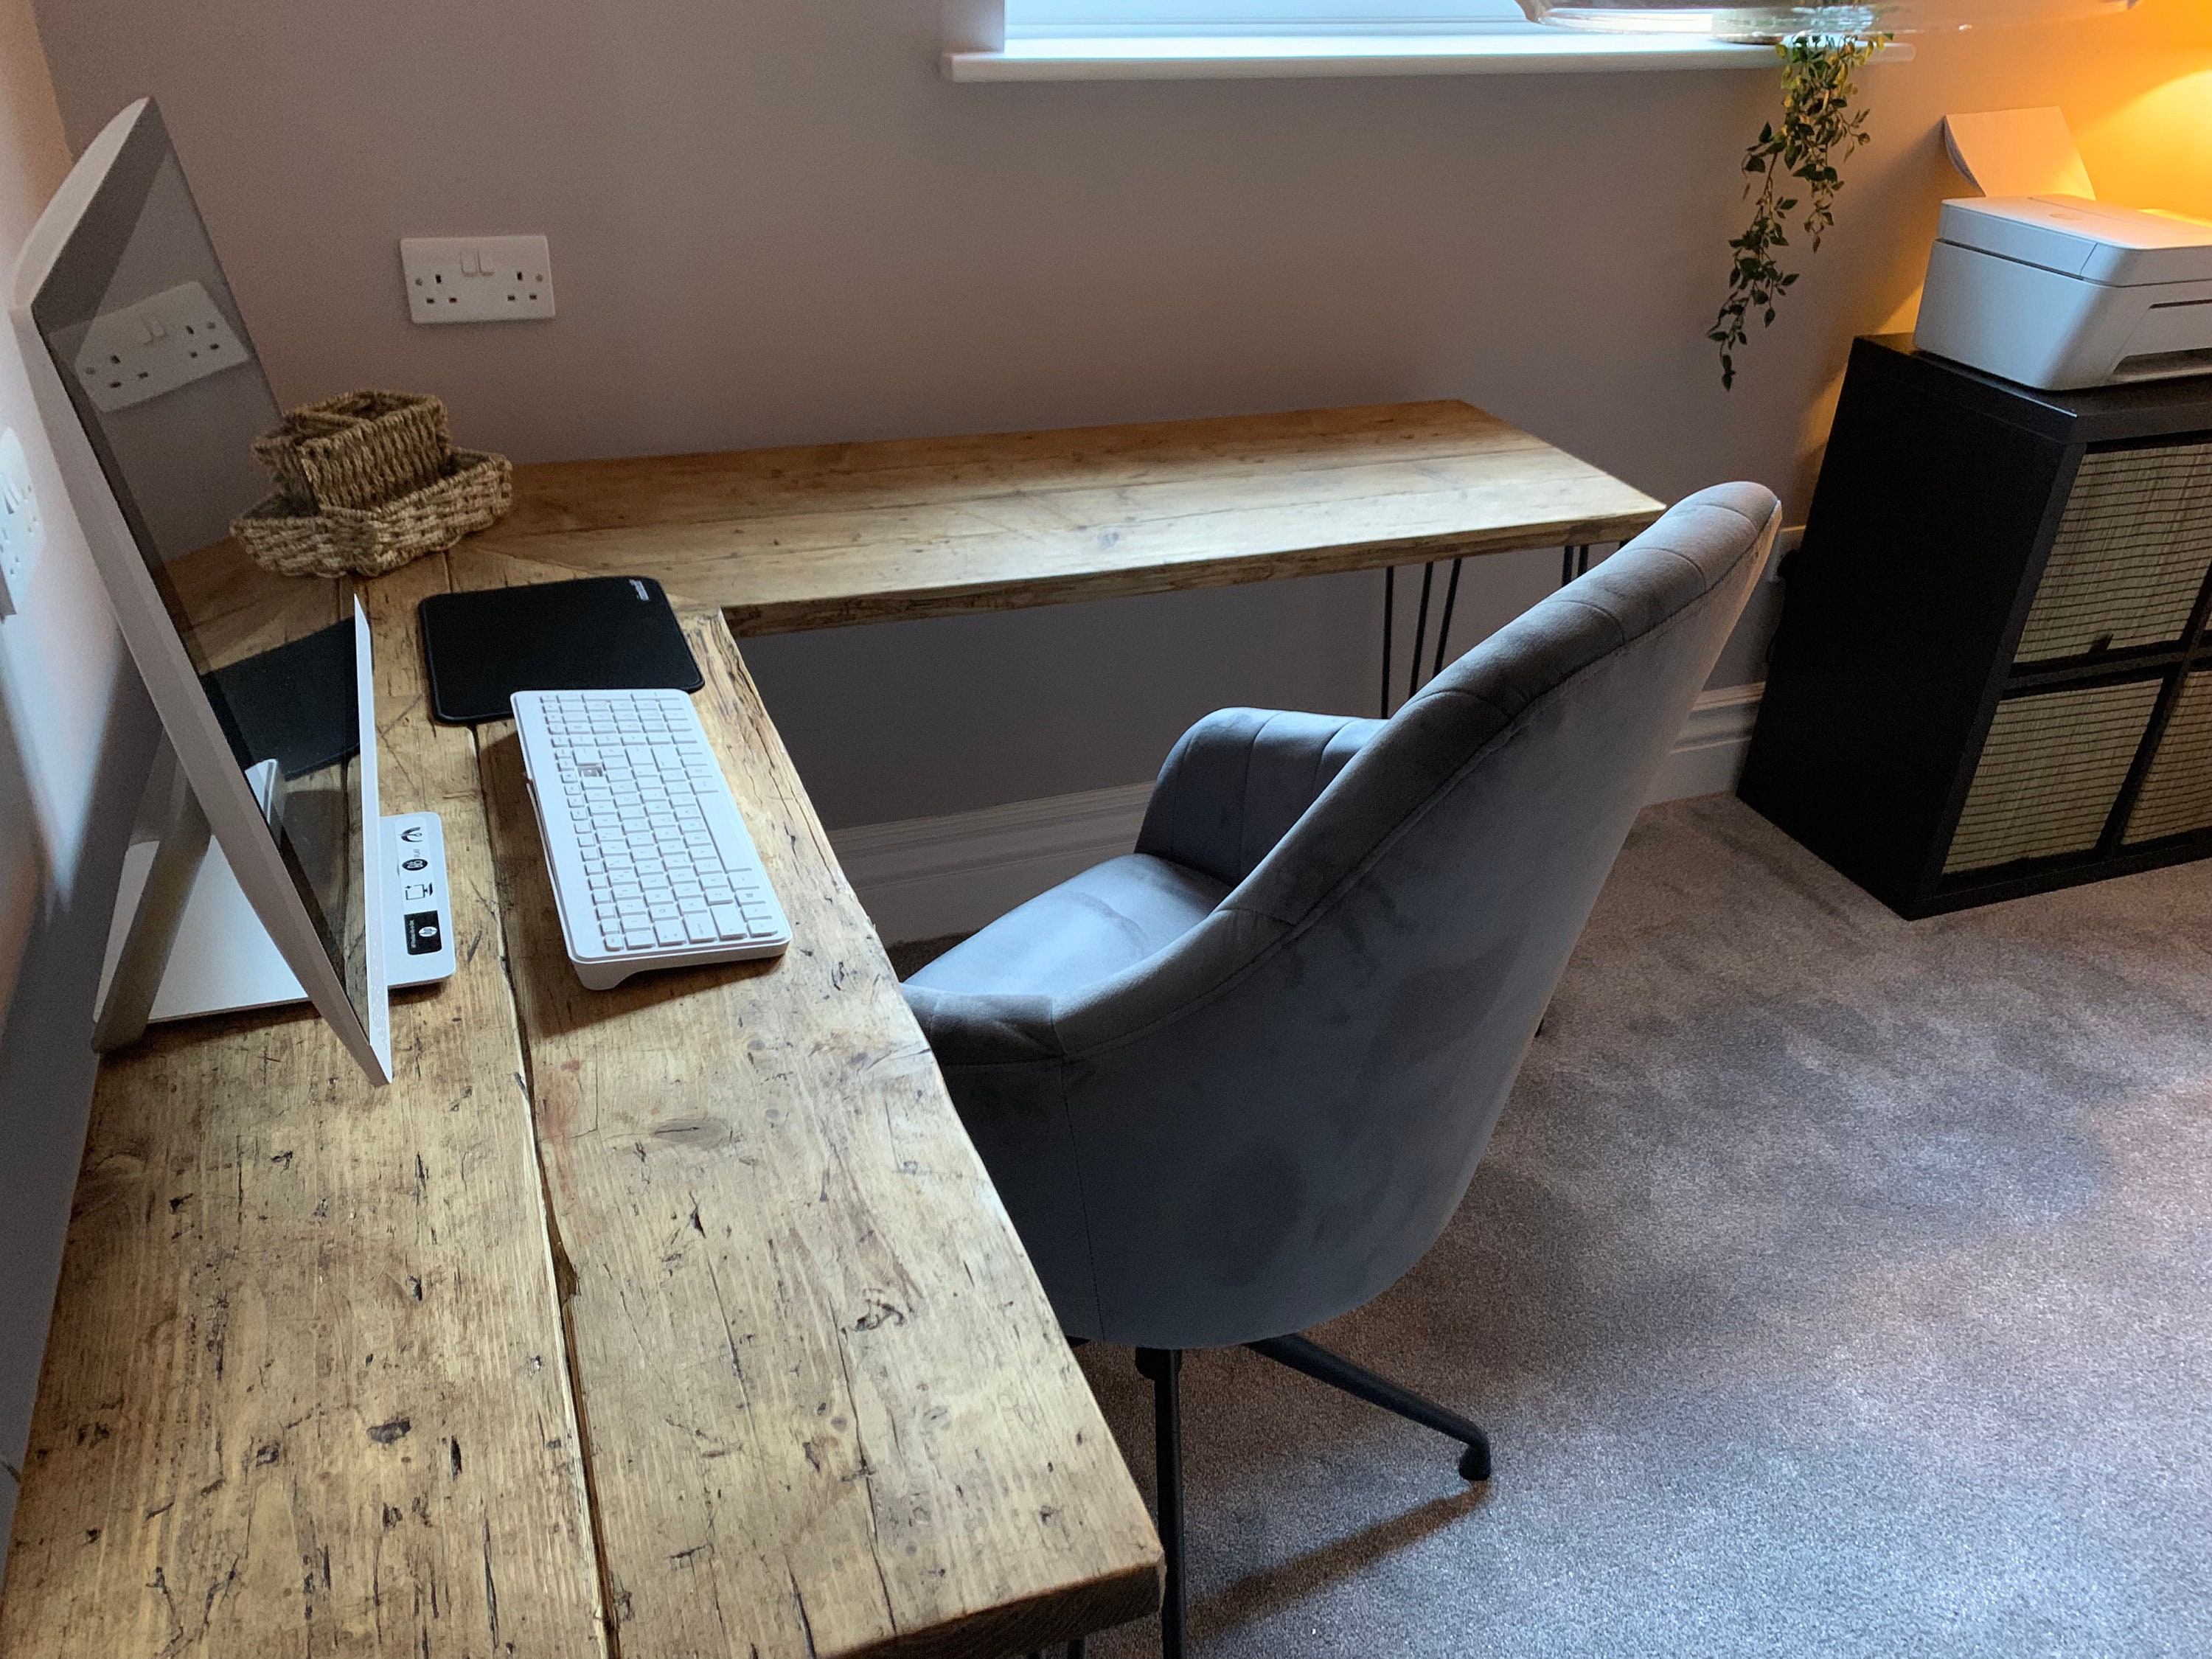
[{"x": 1819, "y": 128}]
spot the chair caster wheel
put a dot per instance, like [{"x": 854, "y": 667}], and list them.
[{"x": 1474, "y": 1463}]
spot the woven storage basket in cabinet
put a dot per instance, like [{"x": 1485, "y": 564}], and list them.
[{"x": 1993, "y": 675}]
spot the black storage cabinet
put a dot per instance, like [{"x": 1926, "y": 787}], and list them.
[{"x": 1992, "y": 675}]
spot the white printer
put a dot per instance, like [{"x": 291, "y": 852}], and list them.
[{"x": 2061, "y": 292}]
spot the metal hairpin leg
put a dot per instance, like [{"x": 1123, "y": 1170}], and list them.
[
  {"x": 1420, "y": 629},
  {"x": 1574, "y": 561},
  {"x": 1444, "y": 628},
  {"x": 1390, "y": 612}
]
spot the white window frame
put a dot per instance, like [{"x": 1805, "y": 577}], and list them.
[
  {"x": 1044, "y": 20},
  {"x": 1239, "y": 39}
]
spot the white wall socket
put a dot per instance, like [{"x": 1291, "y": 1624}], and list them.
[
  {"x": 22, "y": 531},
  {"x": 150, "y": 349},
  {"x": 477, "y": 279}
]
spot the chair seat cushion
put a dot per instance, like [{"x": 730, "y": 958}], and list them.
[{"x": 1087, "y": 929}]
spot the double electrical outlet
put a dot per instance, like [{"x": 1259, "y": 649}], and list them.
[
  {"x": 23, "y": 532},
  {"x": 477, "y": 279},
  {"x": 139, "y": 352}
]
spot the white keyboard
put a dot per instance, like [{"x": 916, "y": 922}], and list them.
[{"x": 652, "y": 866}]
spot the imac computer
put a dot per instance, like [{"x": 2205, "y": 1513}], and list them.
[{"x": 262, "y": 871}]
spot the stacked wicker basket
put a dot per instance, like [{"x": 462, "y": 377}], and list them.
[{"x": 365, "y": 483}]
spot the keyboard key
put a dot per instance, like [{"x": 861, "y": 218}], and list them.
[
  {"x": 728, "y": 921},
  {"x": 669, "y": 932},
  {"x": 700, "y": 927}
]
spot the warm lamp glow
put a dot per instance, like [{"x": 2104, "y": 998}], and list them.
[{"x": 2157, "y": 148}]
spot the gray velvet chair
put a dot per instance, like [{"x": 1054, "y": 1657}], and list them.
[{"x": 1234, "y": 1083}]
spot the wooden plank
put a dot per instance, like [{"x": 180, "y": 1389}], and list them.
[
  {"x": 840, "y": 533},
  {"x": 828, "y": 1408},
  {"x": 239, "y": 610},
  {"x": 304, "y": 1392}
]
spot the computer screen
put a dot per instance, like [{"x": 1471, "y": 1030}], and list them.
[{"x": 147, "y": 341}]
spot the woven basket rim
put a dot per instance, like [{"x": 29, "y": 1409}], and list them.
[{"x": 465, "y": 462}]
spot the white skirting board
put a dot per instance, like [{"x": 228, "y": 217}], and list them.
[{"x": 925, "y": 878}]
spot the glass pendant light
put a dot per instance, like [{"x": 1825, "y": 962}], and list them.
[{"x": 1768, "y": 21}]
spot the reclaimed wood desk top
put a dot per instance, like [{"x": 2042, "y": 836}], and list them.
[
  {"x": 678, "y": 1320},
  {"x": 830, "y": 534}
]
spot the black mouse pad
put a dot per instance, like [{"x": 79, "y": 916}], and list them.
[{"x": 597, "y": 634}]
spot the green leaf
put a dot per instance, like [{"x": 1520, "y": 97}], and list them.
[{"x": 1819, "y": 127}]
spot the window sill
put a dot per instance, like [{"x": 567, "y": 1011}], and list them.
[{"x": 1529, "y": 50}]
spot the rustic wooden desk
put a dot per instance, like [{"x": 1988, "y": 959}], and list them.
[
  {"x": 676, "y": 1320},
  {"x": 836, "y": 533},
  {"x": 681, "y": 1319}
]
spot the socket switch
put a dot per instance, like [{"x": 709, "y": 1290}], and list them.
[
  {"x": 23, "y": 532},
  {"x": 477, "y": 279},
  {"x": 163, "y": 342}
]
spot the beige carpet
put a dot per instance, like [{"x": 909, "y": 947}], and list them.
[
  {"x": 909, "y": 959},
  {"x": 1834, "y": 1286}
]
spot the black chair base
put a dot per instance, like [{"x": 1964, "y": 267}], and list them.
[
  {"x": 1164, "y": 1367},
  {"x": 1313, "y": 1360}
]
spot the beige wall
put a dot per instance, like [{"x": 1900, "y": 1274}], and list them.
[
  {"x": 772, "y": 221},
  {"x": 75, "y": 734}
]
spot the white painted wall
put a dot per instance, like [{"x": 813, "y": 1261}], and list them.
[
  {"x": 773, "y": 222},
  {"x": 76, "y": 732}
]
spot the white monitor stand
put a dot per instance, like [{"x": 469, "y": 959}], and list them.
[{"x": 186, "y": 941}]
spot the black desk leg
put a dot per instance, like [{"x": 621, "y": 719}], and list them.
[
  {"x": 1390, "y": 612},
  {"x": 1420, "y": 629},
  {"x": 1444, "y": 628}
]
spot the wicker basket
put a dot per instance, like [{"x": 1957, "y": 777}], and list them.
[
  {"x": 357, "y": 450},
  {"x": 474, "y": 492}
]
